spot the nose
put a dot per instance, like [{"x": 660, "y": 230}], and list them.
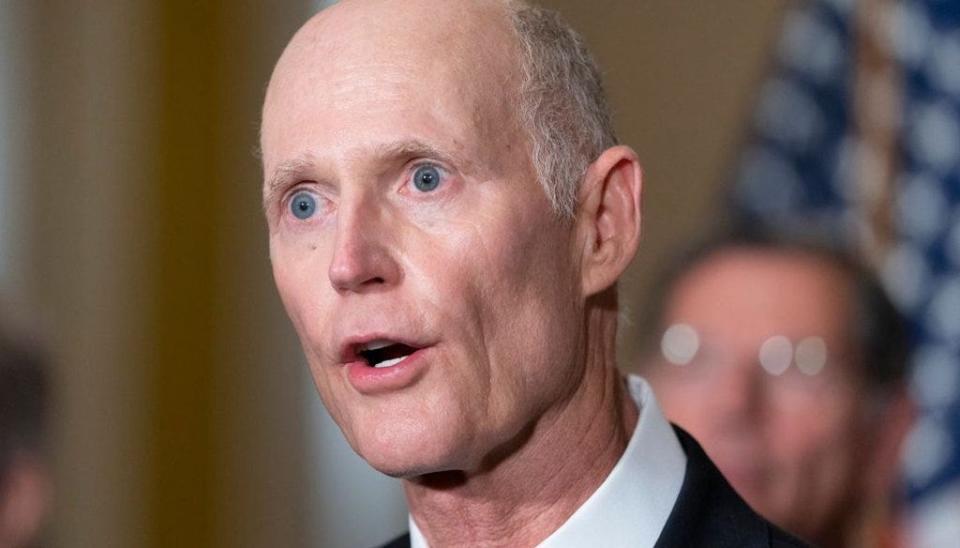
[
  {"x": 363, "y": 259},
  {"x": 738, "y": 392}
]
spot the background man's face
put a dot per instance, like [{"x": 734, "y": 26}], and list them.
[
  {"x": 788, "y": 442},
  {"x": 407, "y": 211}
]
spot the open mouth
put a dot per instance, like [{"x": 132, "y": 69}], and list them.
[{"x": 380, "y": 354}]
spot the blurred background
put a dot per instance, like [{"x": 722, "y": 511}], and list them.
[{"x": 132, "y": 241}]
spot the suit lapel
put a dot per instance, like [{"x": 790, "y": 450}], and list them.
[{"x": 708, "y": 511}]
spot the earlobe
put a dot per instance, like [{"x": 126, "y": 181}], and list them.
[{"x": 609, "y": 217}]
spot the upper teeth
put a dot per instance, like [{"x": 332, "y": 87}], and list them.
[{"x": 374, "y": 345}]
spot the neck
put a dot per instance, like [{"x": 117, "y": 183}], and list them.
[{"x": 567, "y": 453}]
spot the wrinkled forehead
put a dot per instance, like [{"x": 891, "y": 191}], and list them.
[
  {"x": 771, "y": 290},
  {"x": 456, "y": 57}
]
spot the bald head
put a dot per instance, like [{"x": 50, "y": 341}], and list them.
[
  {"x": 424, "y": 33},
  {"x": 522, "y": 58},
  {"x": 453, "y": 27}
]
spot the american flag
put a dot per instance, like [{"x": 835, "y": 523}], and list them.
[{"x": 857, "y": 132}]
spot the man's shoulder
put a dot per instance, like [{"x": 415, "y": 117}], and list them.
[{"x": 708, "y": 512}]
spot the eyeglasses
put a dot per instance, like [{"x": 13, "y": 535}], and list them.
[{"x": 778, "y": 355}]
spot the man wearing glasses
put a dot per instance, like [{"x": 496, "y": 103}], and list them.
[{"x": 786, "y": 360}]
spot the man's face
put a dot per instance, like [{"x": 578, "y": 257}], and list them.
[
  {"x": 786, "y": 439},
  {"x": 404, "y": 211}
]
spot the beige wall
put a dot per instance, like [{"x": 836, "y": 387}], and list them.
[
  {"x": 85, "y": 265},
  {"x": 180, "y": 413},
  {"x": 177, "y": 421}
]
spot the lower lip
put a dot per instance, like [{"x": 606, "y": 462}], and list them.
[{"x": 369, "y": 380}]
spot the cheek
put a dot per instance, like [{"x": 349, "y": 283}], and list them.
[
  {"x": 817, "y": 465},
  {"x": 677, "y": 409},
  {"x": 502, "y": 282},
  {"x": 298, "y": 273},
  {"x": 299, "y": 277},
  {"x": 488, "y": 264},
  {"x": 530, "y": 311},
  {"x": 818, "y": 434},
  {"x": 682, "y": 399}
]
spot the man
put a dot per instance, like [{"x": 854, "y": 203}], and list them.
[
  {"x": 24, "y": 482},
  {"x": 785, "y": 358},
  {"x": 449, "y": 213}
]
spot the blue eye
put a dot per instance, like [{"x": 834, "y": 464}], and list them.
[
  {"x": 303, "y": 205},
  {"x": 426, "y": 178}
]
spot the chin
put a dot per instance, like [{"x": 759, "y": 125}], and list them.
[
  {"x": 404, "y": 450},
  {"x": 407, "y": 465},
  {"x": 402, "y": 470}
]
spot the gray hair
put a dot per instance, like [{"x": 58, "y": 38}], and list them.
[{"x": 562, "y": 103}]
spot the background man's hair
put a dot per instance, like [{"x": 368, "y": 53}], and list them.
[
  {"x": 879, "y": 330},
  {"x": 23, "y": 399},
  {"x": 562, "y": 102}
]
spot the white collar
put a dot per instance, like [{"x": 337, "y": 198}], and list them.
[{"x": 632, "y": 505}]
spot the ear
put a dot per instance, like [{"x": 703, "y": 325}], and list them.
[
  {"x": 892, "y": 426},
  {"x": 608, "y": 218}
]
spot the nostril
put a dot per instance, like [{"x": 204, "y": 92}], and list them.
[{"x": 360, "y": 265}]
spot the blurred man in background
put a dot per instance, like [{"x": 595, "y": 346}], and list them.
[
  {"x": 787, "y": 361},
  {"x": 24, "y": 488}
]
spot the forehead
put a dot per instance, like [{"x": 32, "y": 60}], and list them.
[
  {"x": 748, "y": 294},
  {"x": 372, "y": 73}
]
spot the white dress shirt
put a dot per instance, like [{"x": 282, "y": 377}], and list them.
[{"x": 632, "y": 505}]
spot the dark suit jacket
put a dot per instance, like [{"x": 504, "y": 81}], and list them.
[{"x": 708, "y": 512}]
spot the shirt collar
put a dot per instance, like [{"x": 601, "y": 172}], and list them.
[{"x": 632, "y": 505}]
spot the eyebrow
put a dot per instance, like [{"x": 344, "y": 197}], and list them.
[
  {"x": 287, "y": 168},
  {"x": 407, "y": 149}
]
